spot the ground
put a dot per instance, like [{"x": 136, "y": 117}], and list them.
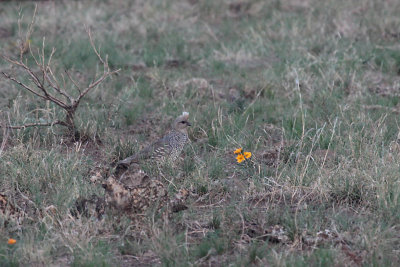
[{"x": 311, "y": 88}]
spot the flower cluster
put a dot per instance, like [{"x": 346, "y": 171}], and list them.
[
  {"x": 11, "y": 241},
  {"x": 241, "y": 156}
]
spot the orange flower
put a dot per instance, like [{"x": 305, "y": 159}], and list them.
[
  {"x": 238, "y": 151},
  {"x": 11, "y": 241},
  {"x": 247, "y": 154},
  {"x": 240, "y": 158}
]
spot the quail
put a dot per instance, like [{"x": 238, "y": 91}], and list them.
[{"x": 166, "y": 149}]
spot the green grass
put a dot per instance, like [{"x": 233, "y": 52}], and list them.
[{"x": 290, "y": 81}]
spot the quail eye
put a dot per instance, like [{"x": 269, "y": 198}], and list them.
[{"x": 183, "y": 122}]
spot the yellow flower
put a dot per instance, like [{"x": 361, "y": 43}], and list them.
[
  {"x": 238, "y": 151},
  {"x": 11, "y": 241},
  {"x": 247, "y": 154},
  {"x": 240, "y": 158}
]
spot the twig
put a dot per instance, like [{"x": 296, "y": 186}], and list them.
[
  {"x": 57, "y": 85},
  {"x": 97, "y": 82},
  {"x": 74, "y": 82},
  {"x": 94, "y": 47},
  {"x": 5, "y": 137},
  {"x": 25, "y": 197},
  {"x": 23, "y": 85},
  {"x": 57, "y": 122},
  {"x": 46, "y": 95}
]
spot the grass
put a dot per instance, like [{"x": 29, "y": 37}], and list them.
[{"x": 309, "y": 87}]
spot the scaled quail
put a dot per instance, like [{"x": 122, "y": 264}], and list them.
[{"x": 166, "y": 149}]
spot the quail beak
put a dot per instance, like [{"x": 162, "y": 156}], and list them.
[{"x": 188, "y": 124}]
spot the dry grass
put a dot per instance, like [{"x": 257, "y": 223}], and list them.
[{"x": 311, "y": 88}]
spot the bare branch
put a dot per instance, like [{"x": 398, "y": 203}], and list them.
[
  {"x": 23, "y": 85},
  {"x": 33, "y": 55},
  {"x": 63, "y": 79},
  {"x": 56, "y": 81},
  {"x": 105, "y": 63},
  {"x": 73, "y": 81},
  {"x": 39, "y": 84},
  {"x": 50, "y": 57},
  {"x": 106, "y": 70},
  {"x": 37, "y": 125},
  {"x": 30, "y": 27},
  {"x": 51, "y": 79},
  {"x": 5, "y": 137},
  {"x": 27, "y": 69},
  {"x": 43, "y": 63},
  {"x": 36, "y": 81},
  {"x": 97, "y": 82}
]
